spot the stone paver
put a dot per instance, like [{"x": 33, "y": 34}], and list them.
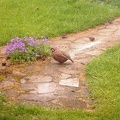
[
  {"x": 49, "y": 84},
  {"x": 11, "y": 93},
  {"x": 5, "y": 84},
  {"x": 68, "y": 70},
  {"x": 65, "y": 76},
  {"x": 28, "y": 86},
  {"x": 37, "y": 79},
  {"x": 84, "y": 91},
  {"x": 37, "y": 97},
  {"x": 73, "y": 103},
  {"x": 46, "y": 87},
  {"x": 73, "y": 82}
]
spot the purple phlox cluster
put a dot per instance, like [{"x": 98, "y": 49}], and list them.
[
  {"x": 13, "y": 40},
  {"x": 28, "y": 44},
  {"x": 31, "y": 41},
  {"x": 45, "y": 41},
  {"x": 15, "y": 44}
]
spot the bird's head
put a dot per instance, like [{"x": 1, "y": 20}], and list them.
[{"x": 52, "y": 49}]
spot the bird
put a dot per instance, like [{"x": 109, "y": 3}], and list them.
[
  {"x": 60, "y": 56},
  {"x": 64, "y": 35},
  {"x": 91, "y": 38},
  {"x": 110, "y": 21}
]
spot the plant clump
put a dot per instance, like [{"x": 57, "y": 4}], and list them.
[{"x": 27, "y": 49}]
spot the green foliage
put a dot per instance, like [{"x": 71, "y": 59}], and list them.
[
  {"x": 51, "y": 18},
  {"x": 27, "y": 49},
  {"x": 115, "y": 3},
  {"x": 18, "y": 56},
  {"x": 104, "y": 79},
  {"x": 2, "y": 98},
  {"x": 107, "y": 1}
]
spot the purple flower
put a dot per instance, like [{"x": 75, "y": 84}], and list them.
[
  {"x": 28, "y": 45},
  {"x": 37, "y": 55},
  {"x": 45, "y": 40},
  {"x": 15, "y": 44},
  {"x": 31, "y": 41}
]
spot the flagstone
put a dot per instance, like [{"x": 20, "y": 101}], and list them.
[{"x": 73, "y": 82}]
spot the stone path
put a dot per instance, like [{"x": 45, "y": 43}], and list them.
[{"x": 48, "y": 84}]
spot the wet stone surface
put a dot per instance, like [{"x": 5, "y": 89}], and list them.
[
  {"x": 11, "y": 93},
  {"x": 5, "y": 84},
  {"x": 73, "y": 82},
  {"x": 28, "y": 86},
  {"x": 73, "y": 103},
  {"x": 46, "y": 87},
  {"x": 65, "y": 76},
  {"x": 38, "y": 79},
  {"x": 85, "y": 91},
  {"x": 37, "y": 97},
  {"x": 49, "y": 84}
]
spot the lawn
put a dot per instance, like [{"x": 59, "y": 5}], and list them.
[
  {"x": 103, "y": 76},
  {"x": 52, "y": 18}
]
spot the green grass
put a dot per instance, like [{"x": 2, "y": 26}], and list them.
[
  {"x": 52, "y": 17},
  {"x": 104, "y": 79},
  {"x": 103, "y": 76},
  {"x": 113, "y": 2}
]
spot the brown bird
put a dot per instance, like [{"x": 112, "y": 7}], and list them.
[
  {"x": 60, "y": 56},
  {"x": 91, "y": 38},
  {"x": 64, "y": 35}
]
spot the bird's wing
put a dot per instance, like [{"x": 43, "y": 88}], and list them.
[
  {"x": 58, "y": 54},
  {"x": 66, "y": 55}
]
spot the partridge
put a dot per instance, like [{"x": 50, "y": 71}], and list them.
[
  {"x": 91, "y": 38},
  {"x": 64, "y": 35},
  {"x": 60, "y": 56}
]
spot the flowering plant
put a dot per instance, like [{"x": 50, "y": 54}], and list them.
[{"x": 27, "y": 49}]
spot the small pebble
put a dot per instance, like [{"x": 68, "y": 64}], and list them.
[{"x": 3, "y": 64}]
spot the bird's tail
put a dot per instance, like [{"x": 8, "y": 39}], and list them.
[{"x": 71, "y": 60}]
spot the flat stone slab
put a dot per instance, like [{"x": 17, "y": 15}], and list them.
[
  {"x": 85, "y": 92},
  {"x": 18, "y": 73},
  {"x": 28, "y": 86},
  {"x": 37, "y": 97},
  {"x": 73, "y": 103},
  {"x": 37, "y": 79},
  {"x": 72, "y": 82},
  {"x": 22, "y": 81},
  {"x": 5, "y": 84},
  {"x": 46, "y": 87},
  {"x": 11, "y": 93},
  {"x": 10, "y": 79},
  {"x": 50, "y": 70},
  {"x": 68, "y": 71},
  {"x": 65, "y": 76},
  {"x": 68, "y": 94}
]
